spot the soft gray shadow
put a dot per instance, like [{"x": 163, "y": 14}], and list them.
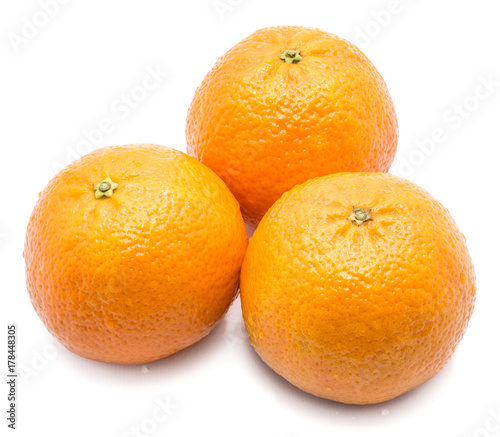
[
  {"x": 150, "y": 374},
  {"x": 303, "y": 402},
  {"x": 250, "y": 230}
]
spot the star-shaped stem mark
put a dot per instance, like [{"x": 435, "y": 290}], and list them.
[
  {"x": 360, "y": 216},
  {"x": 105, "y": 189}
]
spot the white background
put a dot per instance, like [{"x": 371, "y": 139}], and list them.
[{"x": 70, "y": 72}]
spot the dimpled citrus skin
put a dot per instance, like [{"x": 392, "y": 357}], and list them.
[
  {"x": 357, "y": 314},
  {"x": 265, "y": 126},
  {"x": 142, "y": 274}
]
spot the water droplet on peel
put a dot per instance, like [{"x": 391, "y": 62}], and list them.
[{"x": 385, "y": 412}]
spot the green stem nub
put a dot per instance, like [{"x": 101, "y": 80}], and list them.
[
  {"x": 291, "y": 56},
  {"x": 105, "y": 189},
  {"x": 360, "y": 216},
  {"x": 104, "y": 186}
]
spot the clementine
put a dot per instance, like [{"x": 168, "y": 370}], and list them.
[
  {"x": 133, "y": 253},
  {"x": 357, "y": 287},
  {"x": 285, "y": 105}
]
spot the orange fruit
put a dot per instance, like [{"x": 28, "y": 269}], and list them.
[
  {"x": 357, "y": 287},
  {"x": 285, "y": 105},
  {"x": 133, "y": 253}
]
